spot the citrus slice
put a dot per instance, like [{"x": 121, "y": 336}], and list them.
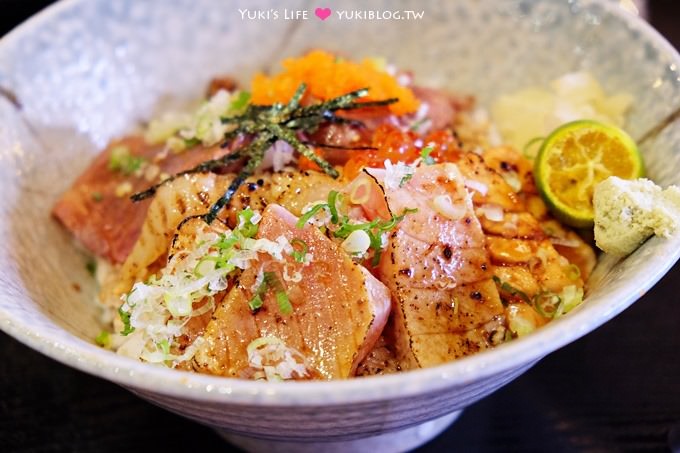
[{"x": 577, "y": 156}]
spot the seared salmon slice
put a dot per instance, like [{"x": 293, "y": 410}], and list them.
[
  {"x": 445, "y": 304},
  {"x": 339, "y": 308},
  {"x": 193, "y": 195},
  {"x": 97, "y": 209},
  {"x": 183, "y": 197}
]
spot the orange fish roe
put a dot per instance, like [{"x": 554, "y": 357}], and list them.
[{"x": 327, "y": 77}]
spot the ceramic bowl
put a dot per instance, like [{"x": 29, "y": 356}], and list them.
[{"x": 83, "y": 72}]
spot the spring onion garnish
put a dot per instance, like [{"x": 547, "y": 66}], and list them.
[
  {"x": 263, "y": 125},
  {"x": 304, "y": 218},
  {"x": 344, "y": 226},
  {"x": 165, "y": 346},
  {"x": 245, "y": 223},
  {"x": 281, "y": 297},
  {"x": 573, "y": 272},
  {"x": 375, "y": 230},
  {"x": 97, "y": 197},
  {"x": 103, "y": 339},
  {"x": 548, "y": 304},
  {"x": 125, "y": 317},
  {"x": 425, "y": 155},
  {"x": 271, "y": 281},
  {"x": 241, "y": 101},
  {"x": 123, "y": 161},
  {"x": 507, "y": 288},
  {"x": 405, "y": 179},
  {"x": 257, "y": 301},
  {"x": 299, "y": 254},
  {"x": 284, "y": 303},
  {"x": 416, "y": 124},
  {"x": 333, "y": 206},
  {"x": 155, "y": 312}
]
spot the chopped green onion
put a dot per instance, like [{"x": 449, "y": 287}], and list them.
[
  {"x": 165, "y": 347},
  {"x": 255, "y": 303},
  {"x": 416, "y": 125},
  {"x": 97, "y": 196},
  {"x": 125, "y": 317},
  {"x": 572, "y": 296},
  {"x": 226, "y": 242},
  {"x": 389, "y": 224},
  {"x": 573, "y": 272},
  {"x": 91, "y": 267},
  {"x": 374, "y": 229},
  {"x": 547, "y": 304},
  {"x": 376, "y": 245},
  {"x": 201, "y": 268},
  {"x": 284, "y": 303},
  {"x": 299, "y": 255},
  {"x": 271, "y": 281},
  {"x": 508, "y": 288},
  {"x": 245, "y": 225},
  {"x": 405, "y": 179},
  {"x": 281, "y": 297},
  {"x": 241, "y": 101},
  {"x": 346, "y": 228},
  {"x": 103, "y": 339},
  {"x": 425, "y": 155},
  {"x": 332, "y": 205},
  {"x": 121, "y": 160},
  {"x": 304, "y": 218},
  {"x": 191, "y": 142}
]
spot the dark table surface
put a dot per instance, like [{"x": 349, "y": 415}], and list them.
[{"x": 617, "y": 389}]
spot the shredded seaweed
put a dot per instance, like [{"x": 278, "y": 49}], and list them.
[{"x": 264, "y": 125}]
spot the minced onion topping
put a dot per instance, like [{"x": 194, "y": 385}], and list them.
[
  {"x": 396, "y": 175},
  {"x": 155, "y": 312},
  {"x": 274, "y": 361},
  {"x": 278, "y": 156},
  {"x": 181, "y": 130}
]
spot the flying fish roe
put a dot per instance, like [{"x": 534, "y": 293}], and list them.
[{"x": 328, "y": 76}]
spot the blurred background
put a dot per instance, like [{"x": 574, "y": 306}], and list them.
[{"x": 617, "y": 389}]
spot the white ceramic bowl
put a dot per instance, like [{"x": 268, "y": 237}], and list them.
[{"x": 83, "y": 72}]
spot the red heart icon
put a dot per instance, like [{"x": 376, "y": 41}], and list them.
[{"x": 322, "y": 13}]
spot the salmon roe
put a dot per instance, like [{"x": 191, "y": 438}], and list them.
[{"x": 396, "y": 145}]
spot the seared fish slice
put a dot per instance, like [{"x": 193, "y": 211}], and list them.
[
  {"x": 438, "y": 271},
  {"x": 193, "y": 195},
  {"x": 104, "y": 219},
  {"x": 339, "y": 308}
]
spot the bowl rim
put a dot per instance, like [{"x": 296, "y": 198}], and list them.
[{"x": 142, "y": 377}]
